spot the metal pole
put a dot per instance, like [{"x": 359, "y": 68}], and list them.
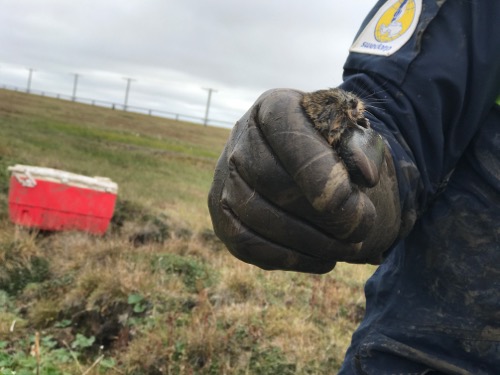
[
  {"x": 29, "y": 79},
  {"x": 75, "y": 84},
  {"x": 126, "y": 92},
  {"x": 210, "y": 90}
]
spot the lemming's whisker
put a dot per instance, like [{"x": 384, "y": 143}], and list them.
[
  {"x": 377, "y": 100},
  {"x": 375, "y": 107}
]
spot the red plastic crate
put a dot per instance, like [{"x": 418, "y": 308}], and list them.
[{"x": 50, "y": 199}]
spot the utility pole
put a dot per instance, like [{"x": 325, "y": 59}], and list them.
[
  {"x": 127, "y": 91},
  {"x": 75, "y": 84},
  {"x": 29, "y": 79},
  {"x": 210, "y": 90}
]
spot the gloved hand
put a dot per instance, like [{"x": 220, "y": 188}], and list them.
[{"x": 282, "y": 198}]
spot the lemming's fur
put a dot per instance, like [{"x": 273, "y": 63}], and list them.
[{"x": 334, "y": 110}]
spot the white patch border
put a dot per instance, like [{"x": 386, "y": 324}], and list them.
[{"x": 366, "y": 42}]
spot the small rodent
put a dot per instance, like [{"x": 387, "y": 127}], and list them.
[{"x": 334, "y": 110}]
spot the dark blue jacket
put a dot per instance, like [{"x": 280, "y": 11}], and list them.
[{"x": 434, "y": 304}]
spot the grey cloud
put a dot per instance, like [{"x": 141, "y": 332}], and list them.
[{"x": 175, "y": 47}]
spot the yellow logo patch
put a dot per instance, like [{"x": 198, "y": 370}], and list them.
[
  {"x": 390, "y": 28},
  {"x": 395, "y": 21}
]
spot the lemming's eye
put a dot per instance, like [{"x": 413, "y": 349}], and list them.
[
  {"x": 364, "y": 122},
  {"x": 354, "y": 103}
]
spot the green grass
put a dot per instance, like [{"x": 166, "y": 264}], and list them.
[{"x": 158, "y": 294}]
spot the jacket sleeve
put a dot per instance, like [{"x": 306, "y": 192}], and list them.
[{"x": 429, "y": 94}]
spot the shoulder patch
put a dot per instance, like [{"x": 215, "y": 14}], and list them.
[{"x": 390, "y": 28}]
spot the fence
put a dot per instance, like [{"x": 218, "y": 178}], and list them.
[{"x": 118, "y": 106}]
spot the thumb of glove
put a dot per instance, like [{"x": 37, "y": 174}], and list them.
[{"x": 362, "y": 151}]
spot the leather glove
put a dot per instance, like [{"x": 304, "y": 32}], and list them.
[{"x": 283, "y": 198}]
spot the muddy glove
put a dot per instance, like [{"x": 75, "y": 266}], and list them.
[{"x": 282, "y": 197}]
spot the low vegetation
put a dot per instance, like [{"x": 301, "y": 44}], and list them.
[{"x": 158, "y": 293}]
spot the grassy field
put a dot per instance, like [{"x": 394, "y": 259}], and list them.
[{"x": 158, "y": 294}]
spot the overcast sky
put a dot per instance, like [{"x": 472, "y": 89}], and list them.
[{"x": 172, "y": 49}]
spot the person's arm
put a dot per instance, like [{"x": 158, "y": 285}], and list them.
[
  {"x": 283, "y": 199},
  {"x": 429, "y": 97}
]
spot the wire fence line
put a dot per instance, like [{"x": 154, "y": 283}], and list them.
[{"x": 123, "y": 107}]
